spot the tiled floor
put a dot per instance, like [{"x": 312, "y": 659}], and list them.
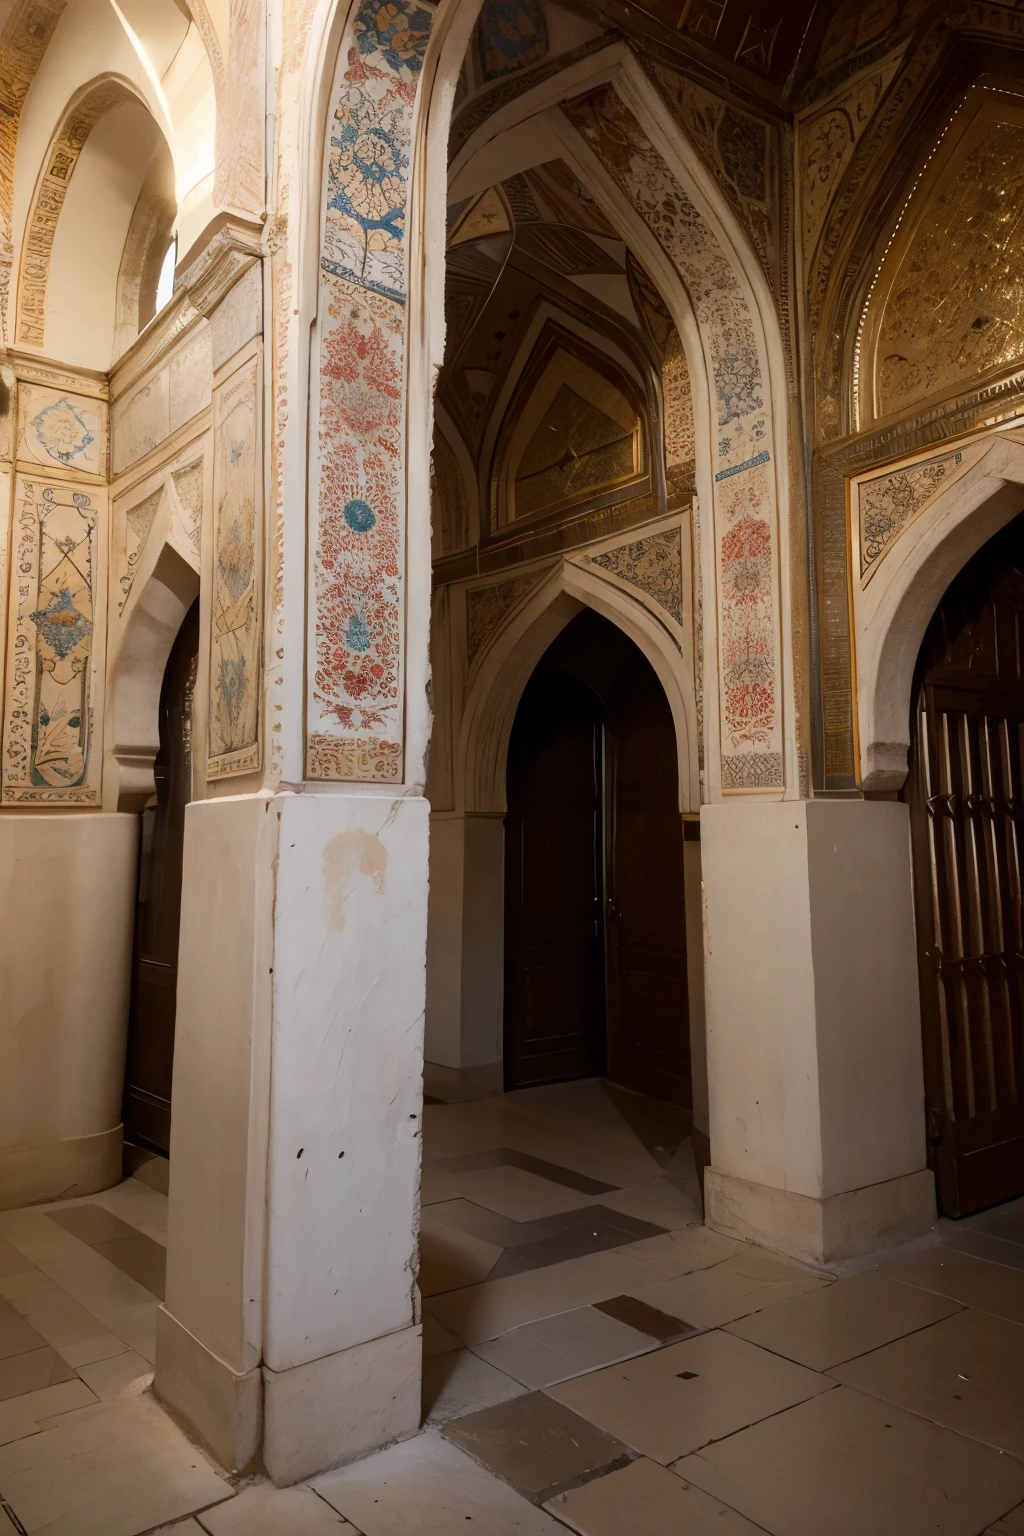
[{"x": 595, "y": 1360}]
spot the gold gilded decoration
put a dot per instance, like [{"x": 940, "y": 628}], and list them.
[
  {"x": 488, "y": 607},
  {"x": 890, "y": 502},
  {"x": 956, "y": 307},
  {"x": 451, "y": 512}
]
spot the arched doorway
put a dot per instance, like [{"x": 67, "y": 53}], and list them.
[
  {"x": 147, "y": 1093},
  {"x": 595, "y": 935},
  {"x": 966, "y": 795}
]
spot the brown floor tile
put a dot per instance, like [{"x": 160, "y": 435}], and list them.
[
  {"x": 848, "y": 1465},
  {"x": 593, "y": 1229},
  {"x": 17, "y": 1336},
  {"x": 645, "y": 1499},
  {"x": 31, "y": 1371},
  {"x": 975, "y": 1282},
  {"x": 91, "y": 1224},
  {"x": 966, "y": 1372},
  {"x": 1010, "y": 1525},
  {"x": 537, "y": 1445},
  {"x": 140, "y": 1257},
  {"x": 637, "y": 1314},
  {"x": 508, "y": 1157},
  {"x": 844, "y": 1320},
  {"x": 746, "y": 1283},
  {"x": 677, "y": 1399}
]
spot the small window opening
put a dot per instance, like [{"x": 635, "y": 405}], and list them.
[{"x": 165, "y": 282}]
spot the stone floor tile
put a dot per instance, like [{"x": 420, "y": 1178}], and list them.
[
  {"x": 515, "y": 1193},
  {"x": 975, "y": 1282},
  {"x": 116, "y": 1470},
  {"x": 526, "y": 1359},
  {"x": 21, "y": 1416},
  {"x": 434, "y": 1190},
  {"x": 104, "y": 1347},
  {"x": 592, "y": 1229},
  {"x": 589, "y": 1338},
  {"x": 60, "y": 1319},
  {"x": 17, "y": 1336},
  {"x": 142, "y": 1207},
  {"x": 849, "y": 1465},
  {"x": 263, "y": 1510},
  {"x": 745, "y": 1283},
  {"x": 29, "y": 1282},
  {"x": 679, "y": 1398},
  {"x": 478, "y": 1221},
  {"x": 187, "y": 1527},
  {"x": 1010, "y": 1525},
  {"x": 644, "y": 1499},
  {"x": 537, "y": 1444},
  {"x": 646, "y": 1319},
  {"x": 846, "y": 1319},
  {"x": 966, "y": 1372},
  {"x": 1006, "y": 1221},
  {"x": 984, "y": 1245},
  {"x": 11, "y": 1261},
  {"x": 31, "y": 1371},
  {"x": 91, "y": 1223},
  {"x": 481, "y": 1312},
  {"x": 450, "y": 1259},
  {"x": 683, "y": 1252},
  {"x": 116, "y": 1375},
  {"x": 118, "y": 1302},
  {"x": 427, "y": 1487},
  {"x": 140, "y": 1257},
  {"x": 663, "y": 1201},
  {"x": 460, "y": 1382}
]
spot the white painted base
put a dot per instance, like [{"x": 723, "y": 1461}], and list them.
[
  {"x": 60, "y": 1170},
  {"x": 224, "y": 1410},
  {"x": 455, "y": 1084},
  {"x": 821, "y": 1231},
  {"x": 334, "y": 1410}
]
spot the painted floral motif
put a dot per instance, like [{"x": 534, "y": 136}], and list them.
[
  {"x": 60, "y": 431},
  {"x": 488, "y": 607},
  {"x": 47, "y": 736},
  {"x": 356, "y": 618},
  {"x": 744, "y": 494},
  {"x": 889, "y": 502},
  {"x": 234, "y": 620},
  {"x": 654, "y": 565},
  {"x": 510, "y": 35}
]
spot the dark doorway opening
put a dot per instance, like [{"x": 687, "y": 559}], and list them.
[
  {"x": 965, "y": 790},
  {"x": 147, "y": 1093},
  {"x": 595, "y": 935}
]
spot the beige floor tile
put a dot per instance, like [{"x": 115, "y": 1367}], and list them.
[
  {"x": 264, "y": 1510},
  {"x": 17, "y": 1336},
  {"x": 526, "y": 1359},
  {"x": 427, "y": 1487},
  {"x": 21, "y": 1416},
  {"x": 105, "y": 1347},
  {"x": 123, "y": 1307},
  {"x": 684, "y": 1396},
  {"x": 60, "y": 1319},
  {"x": 644, "y": 1499},
  {"x": 121, "y": 1373},
  {"x": 847, "y": 1319},
  {"x": 590, "y": 1339},
  {"x": 91, "y": 1223},
  {"x": 187, "y": 1527},
  {"x": 746, "y": 1283},
  {"x": 30, "y": 1282},
  {"x": 31, "y": 1371},
  {"x": 460, "y": 1382},
  {"x": 434, "y": 1189},
  {"x": 119, "y": 1469},
  {"x": 143, "y": 1208},
  {"x": 977, "y": 1283},
  {"x": 517, "y": 1194},
  {"x": 436, "y": 1340},
  {"x": 848, "y": 1465},
  {"x": 584, "y": 1114},
  {"x": 966, "y": 1372},
  {"x": 661, "y": 1201},
  {"x": 482, "y": 1312},
  {"x": 682, "y": 1252},
  {"x": 11, "y": 1261},
  {"x": 450, "y": 1259}
]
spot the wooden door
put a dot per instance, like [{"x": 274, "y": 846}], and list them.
[
  {"x": 147, "y": 1096},
  {"x": 645, "y": 932},
  {"x": 595, "y": 947},
  {"x": 966, "y": 799},
  {"x": 554, "y": 992}
]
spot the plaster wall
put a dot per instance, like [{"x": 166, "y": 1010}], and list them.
[{"x": 67, "y": 908}]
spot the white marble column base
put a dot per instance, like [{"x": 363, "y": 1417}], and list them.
[
  {"x": 223, "y": 1409},
  {"x": 842, "y": 1226},
  {"x": 335, "y": 1409}
]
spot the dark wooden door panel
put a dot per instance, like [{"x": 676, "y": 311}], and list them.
[
  {"x": 966, "y": 796},
  {"x": 150, "y": 1059}
]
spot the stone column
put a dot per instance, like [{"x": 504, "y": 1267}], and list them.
[{"x": 814, "y": 1039}]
